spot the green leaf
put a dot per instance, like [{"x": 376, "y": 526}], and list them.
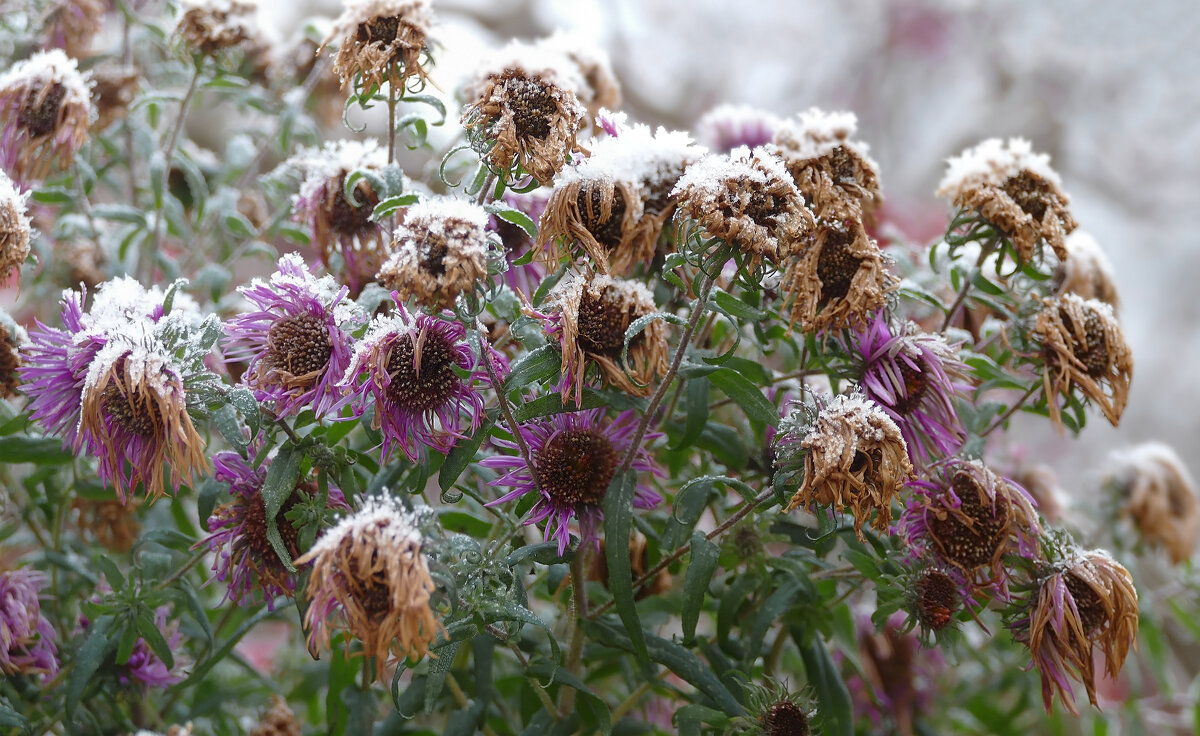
[
  {"x": 736, "y": 307},
  {"x": 618, "y": 526},
  {"x": 391, "y": 204},
  {"x": 696, "y": 406},
  {"x": 542, "y": 364},
  {"x": 834, "y": 713},
  {"x": 460, "y": 457},
  {"x": 98, "y": 645},
  {"x": 514, "y": 216},
  {"x": 219, "y": 655},
  {"x": 37, "y": 450},
  {"x": 746, "y": 395},
  {"x": 147, "y": 627},
  {"x": 116, "y": 580},
  {"x": 439, "y": 666},
  {"x": 277, "y": 488},
  {"x": 700, "y": 570},
  {"x": 543, "y": 553}
]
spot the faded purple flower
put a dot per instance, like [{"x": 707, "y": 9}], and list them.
[
  {"x": 26, "y": 637},
  {"x": 144, "y": 666},
  {"x": 727, "y": 127},
  {"x": 575, "y": 457},
  {"x": 46, "y": 106}
]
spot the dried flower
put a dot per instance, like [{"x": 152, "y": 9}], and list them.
[
  {"x": 838, "y": 281},
  {"x": 14, "y": 228},
  {"x": 278, "y": 720},
  {"x": 1155, "y": 489},
  {"x": 589, "y": 315},
  {"x": 26, "y": 637},
  {"x": 748, "y": 200},
  {"x": 575, "y": 457},
  {"x": 46, "y": 107},
  {"x": 439, "y": 251},
  {"x": 295, "y": 341},
  {"x": 115, "y": 87},
  {"x": 208, "y": 26},
  {"x": 914, "y": 377},
  {"x": 855, "y": 459},
  {"x": 727, "y": 127},
  {"x": 598, "y": 206},
  {"x": 835, "y": 174},
  {"x": 936, "y": 598},
  {"x": 71, "y": 25},
  {"x": 407, "y": 363},
  {"x": 370, "y": 578},
  {"x": 113, "y": 524},
  {"x": 1087, "y": 271},
  {"x": 381, "y": 41},
  {"x": 1015, "y": 190},
  {"x": 1084, "y": 348},
  {"x": 12, "y": 339},
  {"x": 639, "y": 563},
  {"x": 1042, "y": 484},
  {"x": 523, "y": 108}
]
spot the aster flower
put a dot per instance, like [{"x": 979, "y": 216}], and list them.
[
  {"x": 209, "y": 26},
  {"x": 406, "y": 364},
  {"x": 115, "y": 87},
  {"x": 838, "y": 281},
  {"x": 914, "y": 377},
  {"x": 46, "y": 107},
  {"x": 1155, "y": 489},
  {"x": 12, "y": 338},
  {"x": 748, "y": 200},
  {"x": 70, "y": 25},
  {"x": 1087, "y": 271},
  {"x": 522, "y": 108},
  {"x": 575, "y": 457},
  {"x": 294, "y": 342},
  {"x": 145, "y": 668},
  {"x": 245, "y": 559},
  {"x": 833, "y": 172},
  {"x": 967, "y": 518},
  {"x": 588, "y": 315},
  {"x": 370, "y": 578},
  {"x": 1082, "y": 603},
  {"x": 596, "y": 205},
  {"x": 727, "y": 127},
  {"x": 350, "y": 243},
  {"x": 14, "y": 228},
  {"x": 382, "y": 41},
  {"x": 1084, "y": 348},
  {"x": 773, "y": 710},
  {"x": 1013, "y": 189},
  {"x": 26, "y": 637},
  {"x": 112, "y": 524},
  {"x": 439, "y": 250},
  {"x": 854, "y": 458}
]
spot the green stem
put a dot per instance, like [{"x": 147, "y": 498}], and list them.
[
  {"x": 578, "y": 614},
  {"x": 1012, "y": 409},
  {"x": 168, "y": 151}
]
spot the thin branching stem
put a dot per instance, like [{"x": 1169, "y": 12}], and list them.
[{"x": 155, "y": 243}]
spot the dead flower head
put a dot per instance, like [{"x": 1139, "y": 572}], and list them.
[
  {"x": 1015, "y": 190},
  {"x": 838, "y": 281},
  {"x": 45, "y": 106},
  {"x": 114, "y": 91},
  {"x": 748, "y": 200},
  {"x": 523, "y": 108},
  {"x": 598, "y": 206},
  {"x": 438, "y": 252},
  {"x": 112, "y": 524},
  {"x": 1087, "y": 271},
  {"x": 370, "y": 578},
  {"x": 1084, "y": 347},
  {"x": 1157, "y": 491},
  {"x": 382, "y": 41},
  {"x": 71, "y": 25},
  {"x": 278, "y": 720},
  {"x": 856, "y": 459},
  {"x": 834, "y": 173},
  {"x": 12, "y": 338},
  {"x": 14, "y": 228},
  {"x": 209, "y": 26}
]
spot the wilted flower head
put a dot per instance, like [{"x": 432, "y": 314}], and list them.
[
  {"x": 46, "y": 106},
  {"x": 70, "y": 25},
  {"x": 936, "y": 598},
  {"x": 115, "y": 87},
  {"x": 838, "y": 281},
  {"x": 295, "y": 340},
  {"x": 967, "y": 517},
  {"x": 12, "y": 338},
  {"x": 381, "y": 40},
  {"x": 1042, "y": 484},
  {"x": 588, "y": 315},
  {"x": 112, "y": 524},
  {"x": 748, "y": 200},
  {"x": 523, "y": 108},
  {"x": 278, "y": 720},
  {"x": 915, "y": 377},
  {"x": 1084, "y": 348},
  {"x": 1015, "y": 190},
  {"x": 208, "y": 26},
  {"x": 26, "y": 637},
  {"x": 14, "y": 227},
  {"x": 406, "y": 364},
  {"x": 350, "y": 243},
  {"x": 439, "y": 251},
  {"x": 1084, "y": 602},
  {"x": 370, "y": 578},
  {"x": 1087, "y": 271},
  {"x": 575, "y": 457},
  {"x": 597, "y": 205},
  {"x": 834, "y": 173},
  {"x": 1155, "y": 489},
  {"x": 727, "y": 127},
  {"x": 854, "y": 458}
]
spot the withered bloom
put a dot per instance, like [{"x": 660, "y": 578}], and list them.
[
  {"x": 936, "y": 597},
  {"x": 14, "y": 228},
  {"x": 1084, "y": 348},
  {"x": 1156, "y": 490},
  {"x": 370, "y": 578},
  {"x": 589, "y": 315},
  {"x": 438, "y": 252},
  {"x": 834, "y": 173},
  {"x": 208, "y": 26},
  {"x": 1085, "y": 602},
  {"x": 113, "y": 93},
  {"x": 838, "y": 281},
  {"x": 70, "y": 25},
  {"x": 46, "y": 106},
  {"x": 855, "y": 458},
  {"x": 1015, "y": 190},
  {"x": 1087, "y": 271},
  {"x": 381, "y": 41},
  {"x": 113, "y": 524},
  {"x": 12, "y": 338},
  {"x": 278, "y": 720},
  {"x": 748, "y": 200},
  {"x": 1042, "y": 484},
  {"x": 598, "y": 206},
  {"x": 524, "y": 109}
]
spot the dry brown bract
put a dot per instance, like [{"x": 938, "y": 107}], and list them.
[
  {"x": 834, "y": 173},
  {"x": 838, "y": 281},
  {"x": 594, "y": 208},
  {"x": 856, "y": 459},
  {"x": 1087, "y": 271},
  {"x": 382, "y": 40},
  {"x": 208, "y": 26},
  {"x": 748, "y": 200},
  {"x": 438, "y": 252},
  {"x": 1084, "y": 347},
  {"x": 1158, "y": 493},
  {"x": 14, "y": 228}
]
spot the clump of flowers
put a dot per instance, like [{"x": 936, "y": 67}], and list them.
[
  {"x": 26, "y": 637},
  {"x": 439, "y": 251},
  {"x": 382, "y": 41},
  {"x": 834, "y": 172},
  {"x": 46, "y": 105},
  {"x": 1155, "y": 489}
]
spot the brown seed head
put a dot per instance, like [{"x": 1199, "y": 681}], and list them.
[
  {"x": 834, "y": 173},
  {"x": 598, "y": 211},
  {"x": 112, "y": 524},
  {"x": 14, "y": 228},
  {"x": 1087, "y": 271},
  {"x": 785, "y": 718},
  {"x": 115, "y": 88},
  {"x": 421, "y": 369},
  {"x": 438, "y": 252},
  {"x": 838, "y": 281},
  {"x": 208, "y": 26},
  {"x": 46, "y": 105},
  {"x": 72, "y": 24},
  {"x": 278, "y": 720},
  {"x": 1158, "y": 493},
  {"x": 382, "y": 41},
  {"x": 937, "y": 599}
]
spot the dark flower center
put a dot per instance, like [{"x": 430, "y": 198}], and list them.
[
  {"x": 608, "y": 231},
  {"x": 427, "y": 386},
  {"x": 533, "y": 107},
  {"x": 433, "y": 256},
  {"x": 346, "y": 218},
  {"x": 139, "y": 418},
  {"x": 972, "y": 542},
  {"x": 1091, "y": 609},
  {"x": 785, "y": 718},
  {"x": 575, "y": 467},
  {"x": 382, "y": 30},
  {"x": 836, "y": 265},
  {"x": 1095, "y": 355},
  {"x": 937, "y": 599},
  {"x": 372, "y": 594},
  {"x": 842, "y": 165},
  {"x": 1030, "y": 192},
  {"x": 602, "y": 326},
  {"x": 763, "y": 207},
  {"x": 39, "y": 114},
  {"x": 299, "y": 345},
  {"x": 253, "y": 539},
  {"x": 9, "y": 360},
  {"x": 915, "y": 386}
]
